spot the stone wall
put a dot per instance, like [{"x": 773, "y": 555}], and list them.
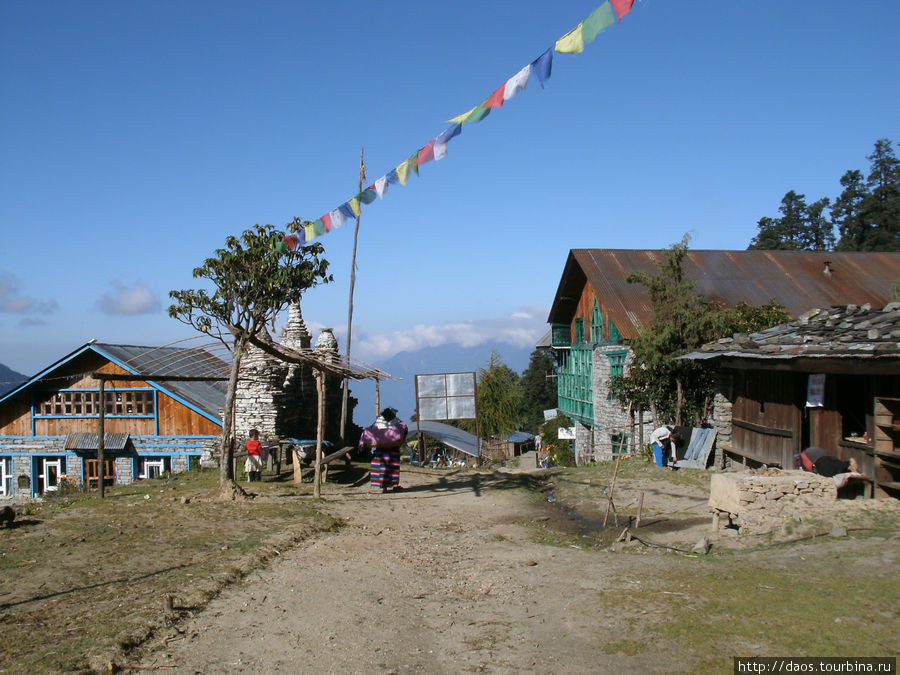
[
  {"x": 609, "y": 417},
  {"x": 23, "y": 449},
  {"x": 720, "y": 420},
  {"x": 756, "y": 503}
]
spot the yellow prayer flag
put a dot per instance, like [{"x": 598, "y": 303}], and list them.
[
  {"x": 572, "y": 42},
  {"x": 309, "y": 231},
  {"x": 460, "y": 119},
  {"x": 354, "y": 204},
  {"x": 403, "y": 172}
]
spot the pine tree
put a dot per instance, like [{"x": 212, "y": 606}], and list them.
[{"x": 538, "y": 390}]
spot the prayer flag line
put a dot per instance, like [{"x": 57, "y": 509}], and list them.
[{"x": 573, "y": 42}]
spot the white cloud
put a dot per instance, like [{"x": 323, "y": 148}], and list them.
[
  {"x": 523, "y": 328},
  {"x": 136, "y": 299},
  {"x": 13, "y": 303}
]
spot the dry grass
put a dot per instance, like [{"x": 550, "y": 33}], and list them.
[{"x": 82, "y": 580}]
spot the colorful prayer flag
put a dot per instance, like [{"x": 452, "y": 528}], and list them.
[
  {"x": 448, "y": 133},
  {"x": 622, "y": 7},
  {"x": 346, "y": 211},
  {"x": 495, "y": 100},
  {"x": 597, "y": 22},
  {"x": 461, "y": 119},
  {"x": 381, "y": 186},
  {"x": 572, "y": 42},
  {"x": 425, "y": 154},
  {"x": 516, "y": 83},
  {"x": 368, "y": 195},
  {"x": 542, "y": 66},
  {"x": 402, "y": 170}
]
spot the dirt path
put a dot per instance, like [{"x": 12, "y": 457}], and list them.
[
  {"x": 438, "y": 578},
  {"x": 451, "y": 576}
]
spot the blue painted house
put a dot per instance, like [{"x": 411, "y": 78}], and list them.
[{"x": 156, "y": 420}]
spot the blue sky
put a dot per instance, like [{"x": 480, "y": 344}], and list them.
[{"x": 136, "y": 136}]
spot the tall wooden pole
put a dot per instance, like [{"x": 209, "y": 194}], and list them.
[
  {"x": 100, "y": 436},
  {"x": 362, "y": 177},
  {"x": 320, "y": 431}
]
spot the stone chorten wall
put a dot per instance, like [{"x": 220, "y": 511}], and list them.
[
  {"x": 279, "y": 399},
  {"x": 273, "y": 395}
]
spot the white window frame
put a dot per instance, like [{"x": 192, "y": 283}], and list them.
[
  {"x": 162, "y": 464},
  {"x": 57, "y": 463},
  {"x": 6, "y": 477}
]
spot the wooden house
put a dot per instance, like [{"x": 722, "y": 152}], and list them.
[
  {"x": 829, "y": 379},
  {"x": 156, "y": 418},
  {"x": 595, "y": 312}
]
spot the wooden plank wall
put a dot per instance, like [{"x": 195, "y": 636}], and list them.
[
  {"x": 175, "y": 419},
  {"x": 765, "y": 417}
]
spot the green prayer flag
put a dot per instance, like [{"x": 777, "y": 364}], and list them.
[{"x": 597, "y": 22}]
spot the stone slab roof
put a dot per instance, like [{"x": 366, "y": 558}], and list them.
[{"x": 849, "y": 332}]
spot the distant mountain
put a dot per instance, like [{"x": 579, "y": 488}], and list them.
[
  {"x": 10, "y": 379},
  {"x": 445, "y": 359}
]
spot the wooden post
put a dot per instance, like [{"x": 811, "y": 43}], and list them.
[
  {"x": 101, "y": 424},
  {"x": 298, "y": 470},
  {"x": 611, "y": 488},
  {"x": 377, "y": 397},
  {"x": 362, "y": 177},
  {"x": 320, "y": 431}
]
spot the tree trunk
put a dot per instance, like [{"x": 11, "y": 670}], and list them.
[
  {"x": 679, "y": 399},
  {"x": 226, "y": 447}
]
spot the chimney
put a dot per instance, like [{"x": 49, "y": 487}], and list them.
[{"x": 827, "y": 269}]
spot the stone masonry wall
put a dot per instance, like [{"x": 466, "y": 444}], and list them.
[{"x": 756, "y": 503}]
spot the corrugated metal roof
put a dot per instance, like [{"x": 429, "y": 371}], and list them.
[
  {"x": 148, "y": 362},
  {"x": 86, "y": 441},
  {"x": 795, "y": 279}
]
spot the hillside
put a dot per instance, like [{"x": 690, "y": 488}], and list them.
[{"x": 10, "y": 379}]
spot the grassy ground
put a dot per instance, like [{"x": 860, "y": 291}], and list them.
[
  {"x": 795, "y": 591},
  {"x": 81, "y": 578}
]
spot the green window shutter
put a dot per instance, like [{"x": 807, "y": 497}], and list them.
[
  {"x": 560, "y": 335},
  {"x": 596, "y": 324},
  {"x": 614, "y": 335},
  {"x": 579, "y": 330}
]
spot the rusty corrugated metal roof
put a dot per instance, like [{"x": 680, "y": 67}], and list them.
[{"x": 795, "y": 279}]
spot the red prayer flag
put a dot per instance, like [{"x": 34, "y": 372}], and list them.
[
  {"x": 426, "y": 154},
  {"x": 496, "y": 99},
  {"x": 622, "y": 7},
  {"x": 326, "y": 221}
]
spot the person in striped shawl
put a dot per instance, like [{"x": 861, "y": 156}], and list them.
[{"x": 385, "y": 437}]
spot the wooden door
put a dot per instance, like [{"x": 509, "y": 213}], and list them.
[{"x": 109, "y": 472}]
